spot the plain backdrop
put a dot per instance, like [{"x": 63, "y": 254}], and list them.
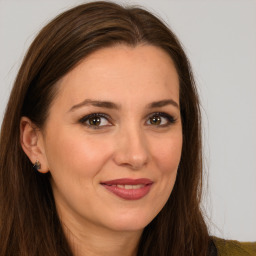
[{"x": 220, "y": 39}]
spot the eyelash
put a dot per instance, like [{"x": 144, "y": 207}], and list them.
[
  {"x": 95, "y": 115},
  {"x": 170, "y": 119}
]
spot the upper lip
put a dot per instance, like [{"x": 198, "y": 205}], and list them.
[{"x": 128, "y": 181}]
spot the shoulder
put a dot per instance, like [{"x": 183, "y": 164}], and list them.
[{"x": 234, "y": 248}]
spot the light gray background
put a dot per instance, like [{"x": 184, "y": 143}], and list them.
[{"x": 220, "y": 40}]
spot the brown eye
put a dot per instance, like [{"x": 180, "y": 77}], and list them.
[
  {"x": 160, "y": 119},
  {"x": 95, "y": 121},
  {"x": 155, "y": 120}
]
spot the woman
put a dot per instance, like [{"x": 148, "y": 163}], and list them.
[{"x": 101, "y": 142}]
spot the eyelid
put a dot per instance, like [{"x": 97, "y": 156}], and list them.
[
  {"x": 170, "y": 118},
  {"x": 102, "y": 115}
]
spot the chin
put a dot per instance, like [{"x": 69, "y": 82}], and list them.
[{"x": 130, "y": 223}]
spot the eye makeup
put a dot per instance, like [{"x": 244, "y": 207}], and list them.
[{"x": 101, "y": 120}]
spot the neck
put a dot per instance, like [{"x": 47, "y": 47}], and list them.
[{"x": 92, "y": 241}]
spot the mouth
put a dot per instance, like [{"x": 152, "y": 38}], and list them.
[
  {"x": 128, "y": 189},
  {"x": 125, "y": 186}
]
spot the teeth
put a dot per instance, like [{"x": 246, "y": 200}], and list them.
[{"x": 131, "y": 186}]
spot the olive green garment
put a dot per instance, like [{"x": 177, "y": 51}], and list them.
[{"x": 234, "y": 248}]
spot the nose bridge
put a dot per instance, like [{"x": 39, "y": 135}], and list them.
[{"x": 131, "y": 150}]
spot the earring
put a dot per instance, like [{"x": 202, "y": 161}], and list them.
[{"x": 37, "y": 165}]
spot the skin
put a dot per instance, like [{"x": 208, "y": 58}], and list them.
[{"x": 126, "y": 144}]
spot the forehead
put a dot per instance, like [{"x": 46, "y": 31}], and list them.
[{"x": 120, "y": 72}]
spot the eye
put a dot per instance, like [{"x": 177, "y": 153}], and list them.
[
  {"x": 96, "y": 120},
  {"x": 160, "y": 119}
]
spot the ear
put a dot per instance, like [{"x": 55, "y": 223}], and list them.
[{"x": 31, "y": 140}]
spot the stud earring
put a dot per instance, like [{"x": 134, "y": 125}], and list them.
[{"x": 37, "y": 165}]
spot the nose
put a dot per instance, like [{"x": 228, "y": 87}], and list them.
[{"x": 131, "y": 149}]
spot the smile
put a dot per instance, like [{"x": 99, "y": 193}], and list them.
[
  {"x": 128, "y": 189},
  {"x": 129, "y": 186}
]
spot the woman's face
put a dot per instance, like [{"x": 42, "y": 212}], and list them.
[{"x": 113, "y": 138}]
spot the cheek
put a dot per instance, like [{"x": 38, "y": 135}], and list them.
[
  {"x": 167, "y": 154},
  {"x": 166, "y": 157},
  {"x": 76, "y": 153}
]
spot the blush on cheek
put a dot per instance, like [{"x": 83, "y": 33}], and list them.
[
  {"x": 82, "y": 154},
  {"x": 168, "y": 159}
]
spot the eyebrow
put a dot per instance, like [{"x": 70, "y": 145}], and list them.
[
  {"x": 163, "y": 103},
  {"x": 111, "y": 105},
  {"x": 95, "y": 103}
]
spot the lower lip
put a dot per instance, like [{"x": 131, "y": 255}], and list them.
[{"x": 129, "y": 194}]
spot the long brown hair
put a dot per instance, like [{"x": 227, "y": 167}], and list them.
[{"x": 29, "y": 224}]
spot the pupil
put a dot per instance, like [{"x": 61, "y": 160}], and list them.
[
  {"x": 94, "y": 121},
  {"x": 156, "y": 120}
]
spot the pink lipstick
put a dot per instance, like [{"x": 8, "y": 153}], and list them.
[{"x": 129, "y": 189}]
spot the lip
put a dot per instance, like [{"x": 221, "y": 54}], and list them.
[{"x": 141, "y": 187}]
